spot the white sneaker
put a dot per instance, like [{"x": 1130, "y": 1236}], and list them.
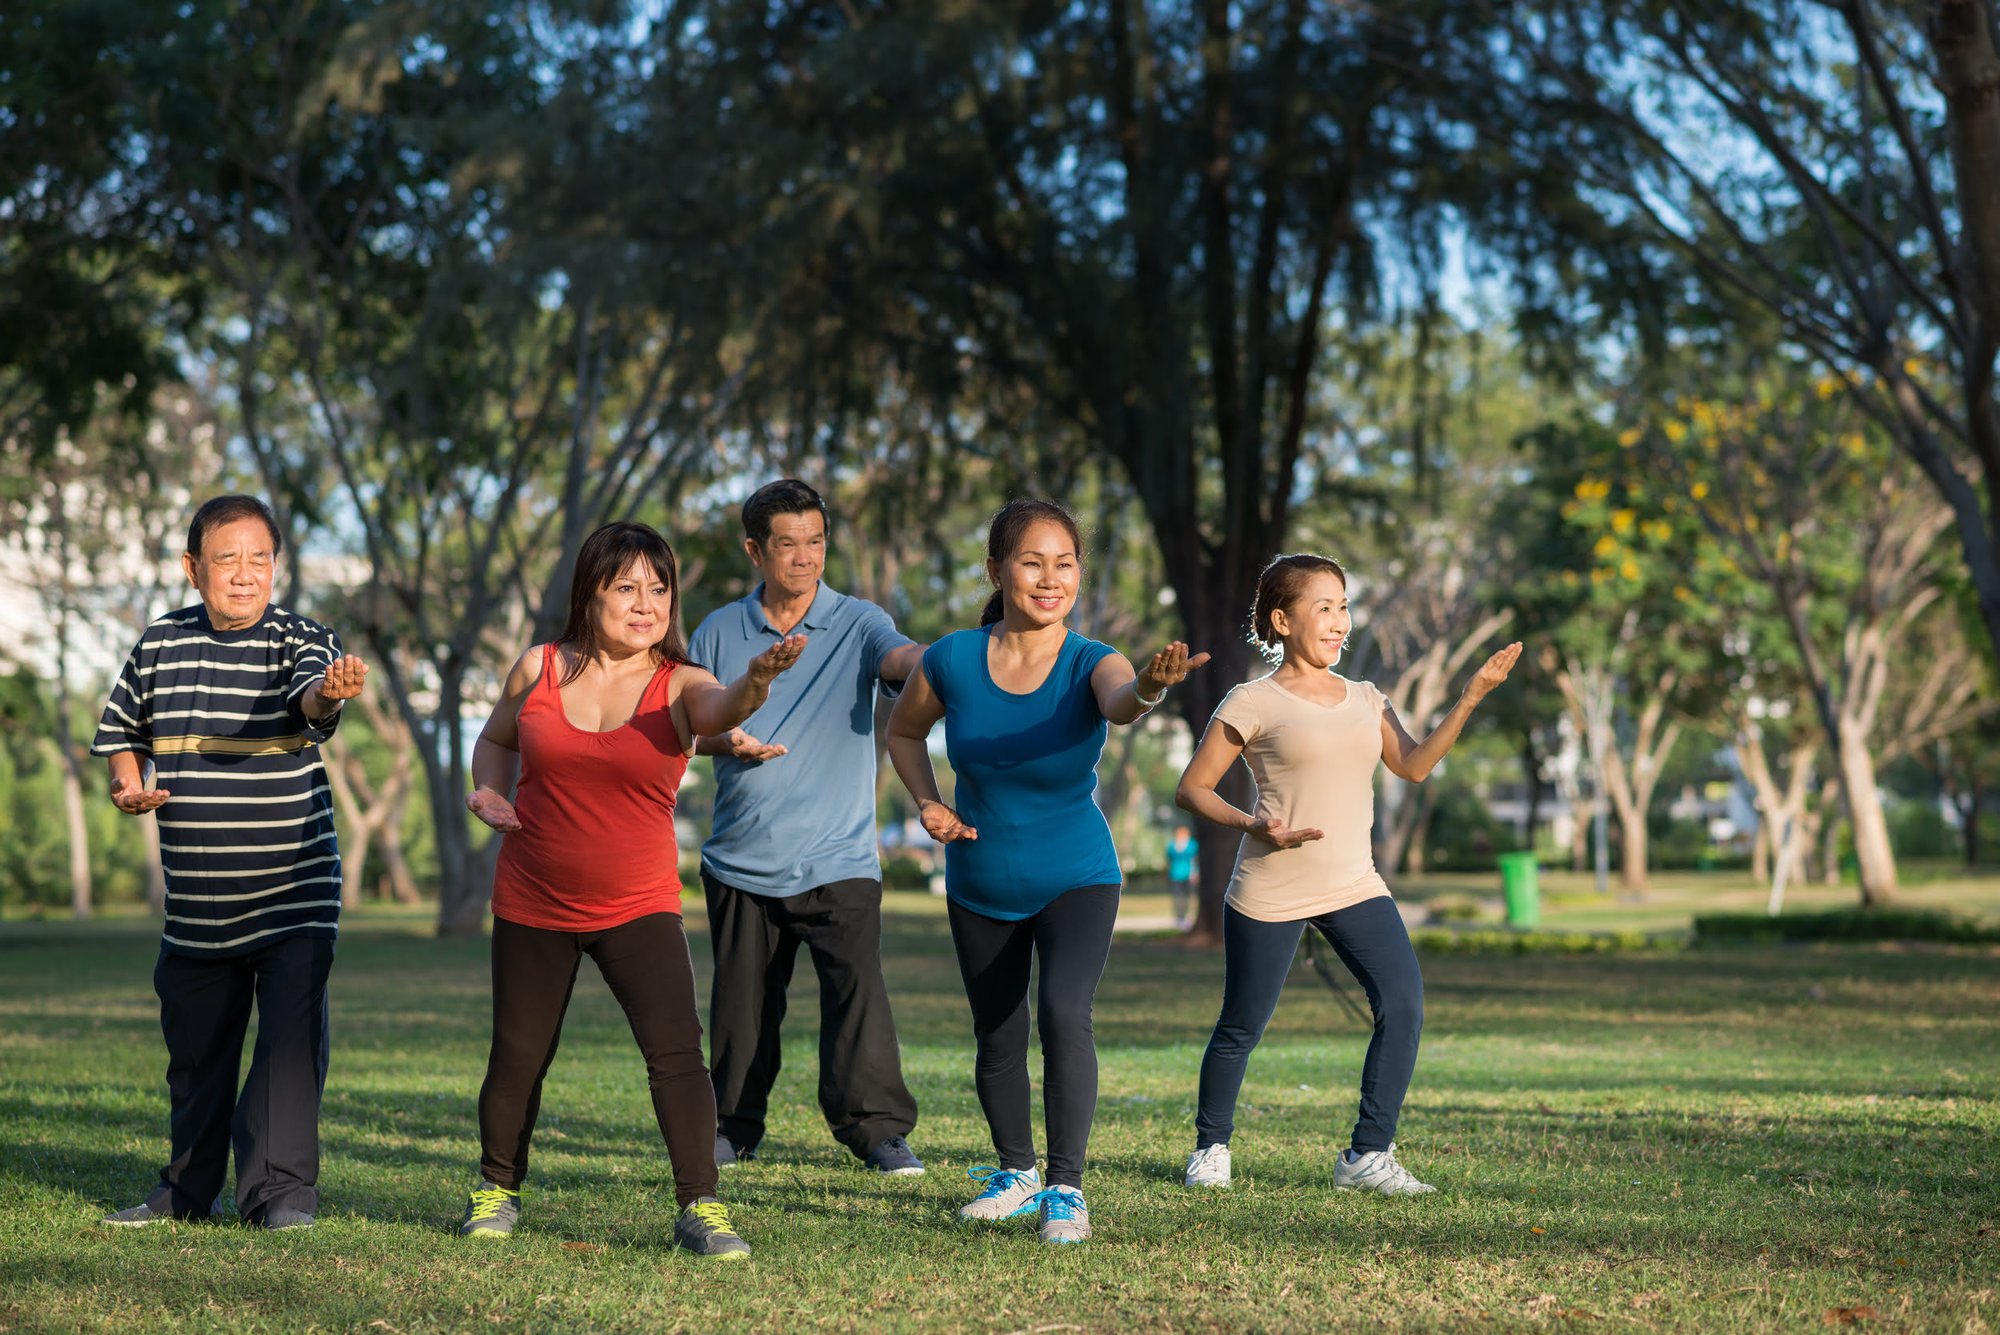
[
  {"x": 1009, "y": 1194},
  {"x": 1065, "y": 1218},
  {"x": 1208, "y": 1167},
  {"x": 1376, "y": 1170}
]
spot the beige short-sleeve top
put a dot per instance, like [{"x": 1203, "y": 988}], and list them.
[{"x": 1315, "y": 769}]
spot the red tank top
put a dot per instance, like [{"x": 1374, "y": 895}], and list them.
[{"x": 596, "y": 846}]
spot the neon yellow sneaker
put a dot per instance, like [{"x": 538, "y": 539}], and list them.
[
  {"x": 491, "y": 1212},
  {"x": 704, "y": 1229}
]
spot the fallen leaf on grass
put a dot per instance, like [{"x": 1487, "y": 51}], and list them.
[
  {"x": 1849, "y": 1316},
  {"x": 1537, "y": 1230},
  {"x": 583, "y": 1246}
]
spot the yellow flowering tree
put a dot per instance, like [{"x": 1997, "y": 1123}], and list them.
[{"x": 1845, "y": 545}]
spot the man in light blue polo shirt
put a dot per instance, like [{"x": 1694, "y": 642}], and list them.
[{"x": 792, "y": 857}]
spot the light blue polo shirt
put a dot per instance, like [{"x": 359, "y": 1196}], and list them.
[{"x": 806, "y": 819}]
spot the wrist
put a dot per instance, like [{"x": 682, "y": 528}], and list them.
[{"x": 1140, "y": 694}]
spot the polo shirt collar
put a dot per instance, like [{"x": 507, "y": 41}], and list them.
[{"x": 819, "y": 616}]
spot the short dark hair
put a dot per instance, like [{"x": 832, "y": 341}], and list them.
[
  {"x": 786, "y": 496},
  {"x": 1010, "y": 525},
  {"x": 604, "y": 556},
  {"x": 227, "y": 510},
  {"x": 1282, "y": 584}
]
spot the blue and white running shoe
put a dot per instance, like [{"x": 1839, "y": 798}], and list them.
[
  {"x": 1010, "y": 1193},
  {"x": 1065, "y": 1218}
]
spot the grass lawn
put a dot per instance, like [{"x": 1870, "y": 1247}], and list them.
[{"x": 1774, "y": 1139}]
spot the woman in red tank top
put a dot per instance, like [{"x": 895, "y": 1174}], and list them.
[{"x": 598, "y": 726}]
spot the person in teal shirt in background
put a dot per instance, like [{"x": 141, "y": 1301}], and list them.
[
  {"x": 1030, "y": 869},
  {"x": 1182, "y": 850}
]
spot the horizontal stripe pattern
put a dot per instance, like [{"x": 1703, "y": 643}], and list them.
[{"x": 247, "y": 833}]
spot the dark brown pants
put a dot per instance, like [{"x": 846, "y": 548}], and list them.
[{"x": 645, "y": 963}]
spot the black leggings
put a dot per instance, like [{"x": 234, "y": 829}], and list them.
[
  {"x": 1073, "y": 939},
  {"x": 645, "y": 963},
  {"x": 1372, "y": 942}
]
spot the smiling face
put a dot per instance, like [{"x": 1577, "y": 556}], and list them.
[
  {"x": 233, "y": 572},
  {"x": 1039, "y": 578},
  {"x": 631, "y": 614},
  {"x": 792, "y": 559},
  {"x": 1315, "y": 626}
]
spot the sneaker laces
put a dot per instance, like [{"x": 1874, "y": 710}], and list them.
[
  {"x": 999, "y": 1181},
  {"x": 714, "y": 1214},
  {"x": 488, "y": 1202},
  {"x": 1207, "y": 1156},
  {"x": 1061, "y": 1204},
  {"x": 1395, "y": 1171}
]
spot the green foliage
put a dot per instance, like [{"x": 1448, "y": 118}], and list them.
[
  {"x": 1498, "y": 941},
  {"x": 1891, "y": 924}
]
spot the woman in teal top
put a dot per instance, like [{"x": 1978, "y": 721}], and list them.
[{"x": 1030, "y": 870}]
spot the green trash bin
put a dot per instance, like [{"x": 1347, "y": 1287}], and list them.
[{"x": 1522, "y": 888}]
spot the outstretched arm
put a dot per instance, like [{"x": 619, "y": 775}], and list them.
[
  {"x": 1124, "y": 696},
  {"x": 1413, "y": 760},
  {"x": 1220, "y": 747},
  {"x": 344, "y": 679},
  {"x": 917, "y": 711},
  {"x": 710, "y": 709}
]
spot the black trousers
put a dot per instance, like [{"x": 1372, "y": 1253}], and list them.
[
  {"x": 1371, "y": 941},
  {"x": 645, "y": 964},
  {"x": 273, "y": 1122},
  {"x": 757, "y": 940},
  {"x": 1072, "y": 937}
]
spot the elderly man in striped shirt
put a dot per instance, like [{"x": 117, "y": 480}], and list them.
[{"x": 227, "y": 702}]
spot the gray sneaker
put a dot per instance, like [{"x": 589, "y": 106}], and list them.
[
  {"x": 895, "y": 1157},
  {"x": 1065, "y": 1218},
  {"x": 277, "y": 1221},
  {"x": 143, "y": 1214},
  {"x": 1208, "y": 1167},
  {"x": 703, "y": 1228},
  {"x": 728, "y": 1153},
  {"x": 1376, "y": 1170},
  {"x": 490, "y": 1212}
]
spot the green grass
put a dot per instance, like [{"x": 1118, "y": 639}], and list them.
[{"x": 1723, "y": 1140}]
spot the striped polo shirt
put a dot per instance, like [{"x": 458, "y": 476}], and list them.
[{"x": 247, "y": 835}]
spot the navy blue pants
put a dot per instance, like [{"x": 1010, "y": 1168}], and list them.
[
  {"x": 1072, "y": 939},
  {"x": 1372, "y": 942}
]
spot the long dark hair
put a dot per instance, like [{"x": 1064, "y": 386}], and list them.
[
  {"x": 604, "y": 556},
  {"x": 1011, "y": 524},
  {"x": 1283, "y": 583}
]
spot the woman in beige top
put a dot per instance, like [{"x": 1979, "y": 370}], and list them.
[{"x": 1312, "y": 739}]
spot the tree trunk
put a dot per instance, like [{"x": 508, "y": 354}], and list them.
[
  {"x": 79, "y": 832},
  {"x": 1760, "y": 850},
  {"x": 1424, "y": 799},
  {"x": 1633, "y": 840},
  {"x": 1531, "y": 774},
  {"x": 1875, "y": 858},
  {"x": 1975, "y": 794}
]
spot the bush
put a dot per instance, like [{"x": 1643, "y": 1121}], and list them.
[
  {"x": 1454, "y": 908},
  {"x": 1843, "y": 925},
  {"x": 1917, "y": 830},
  {"x": 904, "y": 872},
  {"x": 1498, "y": 941}
]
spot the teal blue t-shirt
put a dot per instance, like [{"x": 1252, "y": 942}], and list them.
[{"x": 1027, "y": 771}]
